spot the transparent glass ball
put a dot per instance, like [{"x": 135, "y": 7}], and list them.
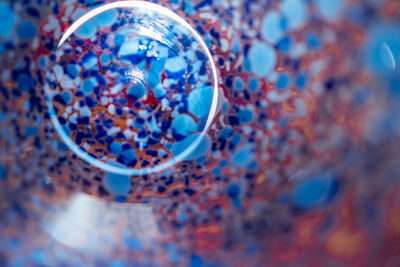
[{"x": 133, "y": 88}]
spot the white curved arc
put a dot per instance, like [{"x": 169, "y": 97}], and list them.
[
  {"x": 389, "y": 52},
  {"x": 168, "y": 13}
]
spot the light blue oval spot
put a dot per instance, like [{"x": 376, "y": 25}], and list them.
[
  {"x": 183, "y": 125},
  {"x": 243, "y": 156},
  {"x": 253, "y": 84},
  {"x": 316, "y": 191},
  {"x": 295, "y": 12},
  {"x": 105, "y": 58},
  {"x": 134, "y": 244},
  {"x": 85, "y": 111},
  {"x": 245, "y": 116},
  {"x": 200, "y": 100},
  {"x": 313, "y": 41},
  {"x": 87, "y": 86},
  {"x": 117, "y": 184},
  {"x": 175, "y": 65},
  {"x": 262, "y": 58},
  {"x": 7, "y": 20},
  {"x": 86, "y": 30},
  {"x": 283, "y": 82},
  {"x": 301, "y": 81},
  {"x": 226, "y": 132},
  {"x": 271, "y": 27},
  {"x": 129, "y": 48},
  {"x": 202, "y": 148},
  {"x": 115, "y": 148},
  {"x": 106, "y": 18},
  {"x": 236, "y": 46},
  {"x": 136, "y": 91},
  {"x": 238, "y": 83},
  {"x": 26, "y": 30},
  {"x": 284, "y": 44},
  {"x": 42, "y": 62},
  {"x": 328, "y": 9}
]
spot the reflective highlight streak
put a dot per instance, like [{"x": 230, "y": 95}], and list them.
[{"x": 390, "y": 62}]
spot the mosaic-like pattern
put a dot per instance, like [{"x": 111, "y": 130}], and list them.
[
  {"x": 131, "y": 87},
  {"x": 299, "y": 167}
]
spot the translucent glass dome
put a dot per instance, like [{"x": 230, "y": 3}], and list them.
[{"x": 133, "y": 88}]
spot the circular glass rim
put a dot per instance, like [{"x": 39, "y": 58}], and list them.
[{"x": 108, "y": 167}]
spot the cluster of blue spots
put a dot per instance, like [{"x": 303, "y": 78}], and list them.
[
  {"x": 169, "y": 95},
  {"x": 315, "y": 191},
  {"x": 200, "y": 100},
  {"x": 296, "y": 13},
  {"x": 26, "y": 30},
  {"x": 243, "y": 156},
  {"x": 262, "y": 59},
  {"x": 272, "y": 27},
  {"x": 283, "y": 81},
  {"x": 118, "y": 185},
  {"x": 7, "y": 20}
]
